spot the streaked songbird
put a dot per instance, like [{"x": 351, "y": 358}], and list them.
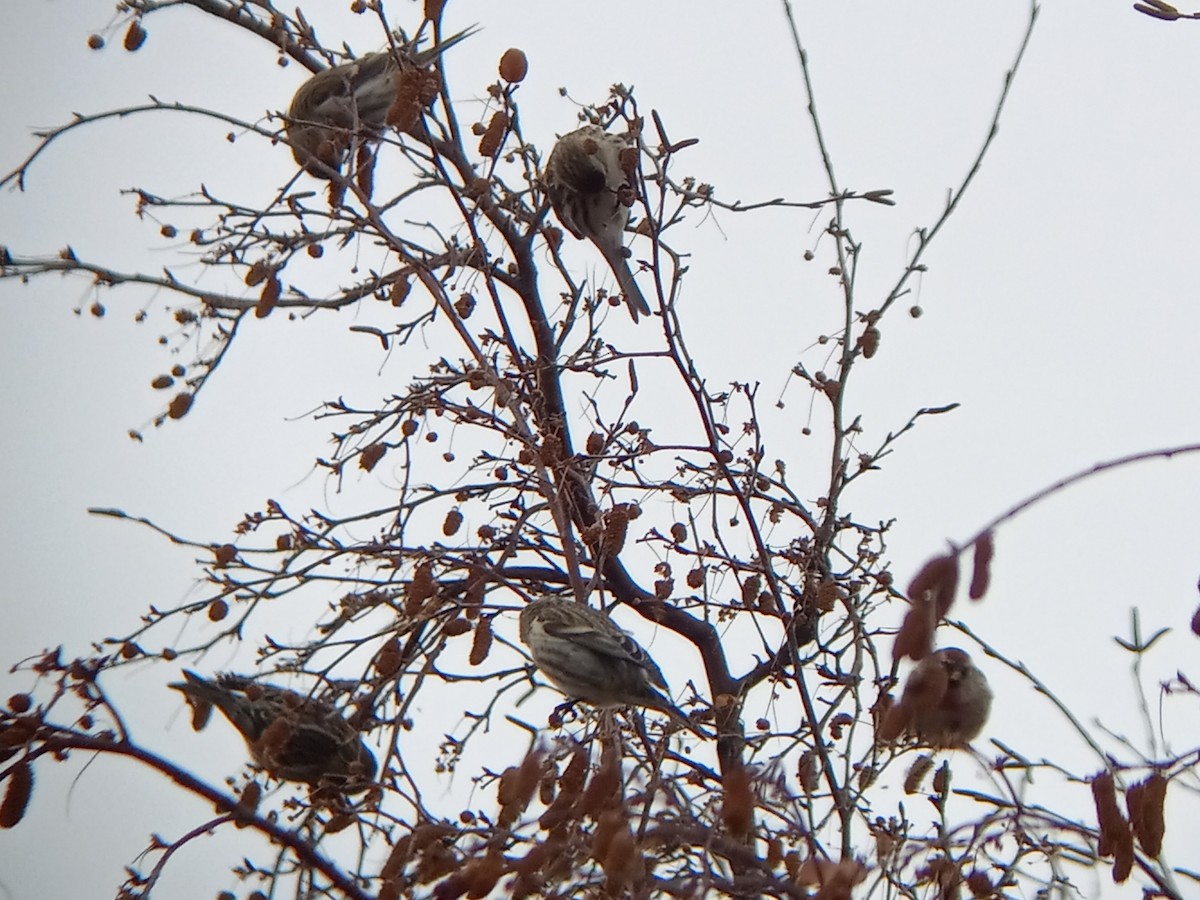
[
  {"x": 355, "y": 98},
  {"x": 583, "y": 652},
  {"x": 588, "y": 178},
  {"x": 292, "y": 736}
]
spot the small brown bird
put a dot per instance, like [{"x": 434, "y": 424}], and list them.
[
  {"x": 587, "y": 657},
  {"x": 590, "y": 191},
  {"x": 292, "y": 736},
  {"x": 945, "y": 703},
  {"x": 351, "y": 99}
]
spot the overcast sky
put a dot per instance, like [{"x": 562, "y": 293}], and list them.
[{"x": 1059, "y": 309}]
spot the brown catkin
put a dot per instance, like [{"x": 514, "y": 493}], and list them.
[
  {"x": 936, "y": 583},
  {"x": 16, "y": 795},
  {"x": 981, "y": 570},
  {"x": 917, "y": 772},
  {"x": 481, "y": 643}
]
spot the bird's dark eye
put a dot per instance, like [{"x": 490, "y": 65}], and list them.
[{"x": 592, "y": 181}]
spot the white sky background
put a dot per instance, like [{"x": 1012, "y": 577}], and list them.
[{"x": 1059, "y": 309}]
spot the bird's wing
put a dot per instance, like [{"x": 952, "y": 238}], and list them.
[
  {"x": 306, "y": 745},
  {"x": 610, "y": 642}
]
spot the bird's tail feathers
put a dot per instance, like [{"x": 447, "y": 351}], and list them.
[
  {"x": 634, "y": 298},
  {"x": 427, "y": 55}
]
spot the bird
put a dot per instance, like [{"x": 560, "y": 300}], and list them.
[
  {"x": 353, "y": 98},
  {"x": 583, "y": 652},
  {"x": 945, "y": 703},
  {"x": 587, "y": 178},
  {"x": 292, "y": 736}
]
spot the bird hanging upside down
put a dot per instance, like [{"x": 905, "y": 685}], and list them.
[{"x": 589, "y": 181}]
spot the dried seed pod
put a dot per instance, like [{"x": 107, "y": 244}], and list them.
[
  {"x": 917, "y": 772},
  {"x": 807, "y": 771},
  {"x": 1144, "y": 801},
  {"x": 481, "y": 644},
  {"x": 835, "y": 878},
  {"x": 464, "y": 306},
  {"x": 575, "y": 773},
  {"x": 548, "y": 786},
  {"x": 622, "y": 863},
  {"x": 941, "y": 780},
  {"x": 493, "y": 135},
  {"x": 371, "y": 455},
  {"x": 750, "y": 588},
  {"x": 179, "y": 406},
  {"x": 389, "y": 658},
  {"x": 258, "y": 273},
  {"x": 268, "y": 298},
  {"x": 16, "y": 795},
  {"x": 616, "y": 526},
  {"x": 604, "y": 790},
  {"x": 420, "y": 589},
  {"x": 869, "y": 342},
  {"x": 828, "y": 594},
  {"x": 452, "y": 522},
  {"x": 981, "y": 572},
  {"x": 525, "y": 780},
  {"x": 895, "y": 722},
  {"x": 936, "y": 583},
  {"x": 915, "y": 637},
  {"x": 480, "y": 875},
  {"x": 247, "y": 803},
  {"x": 980, "y": 885},
  {"x": 513, "y": 66},
  {"x": 135, "y": 36},
  {"x": 1116, "y": 838}
]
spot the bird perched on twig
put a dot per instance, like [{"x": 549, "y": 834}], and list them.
[
  {"x": 583, "y": 652},
  {"x": 945, "y": 703},
  {"x": 360, "y": 98},
  {"x": 589, "y": 180},
  {"x": 292, "y": 736}
]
